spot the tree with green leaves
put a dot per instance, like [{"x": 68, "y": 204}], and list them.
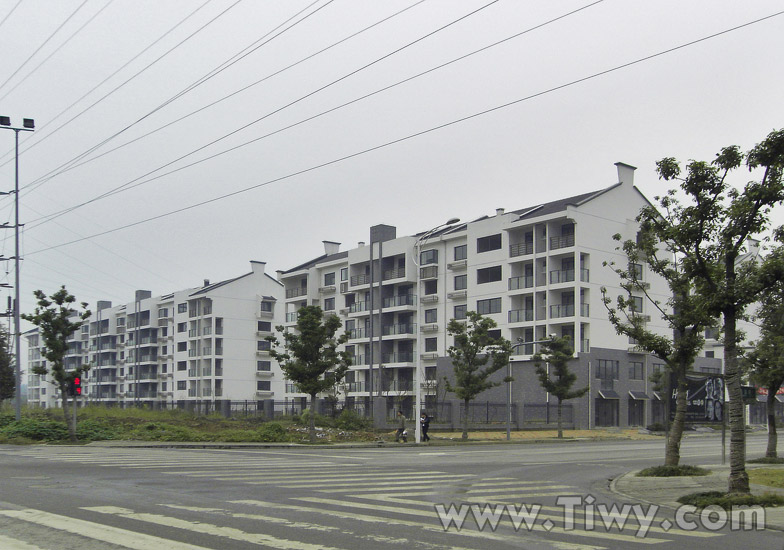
[
  {"x": 684, "y": 312},
  {"x": 7, "y": 375},
  {"x": 57, "y": 319},
  {"x": 708, "y": 230},
  {"x": 766, "y": 360},
  {"x": 475, "y": 356},
  {"x": 310, "y": 356},
  {"x": 555, "y": 376}
]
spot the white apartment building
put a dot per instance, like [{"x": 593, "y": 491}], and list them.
[
  {"x": 199, "y": 345},
  {"x": 536, "y": 271}
]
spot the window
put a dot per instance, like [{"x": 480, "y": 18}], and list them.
[
  {"x": 266, "y": 307},
  {"x": 428, "y": 257},
  {"x": 637, "y": 304},
  {"x": 461, "y": 252},
  {"x": 709, "y": 354},
  {"x": 264, "y": 326},
  {"x": 635, "y": 270},
  {"x": 329, "y": 304},
  {"x": 431, "y": 315},
  {"x": 607, "y": 369},
  {"x": 460, "y": 312},
  {"x": 182, "y": 346},
  {"x": 491, "y": 305},
  {"x": 264, "y": 366},
  {"x": 658, "y": 368},
  {"x": 488, "y": 274},
  {"x": 182, "y": 327},
  {"x": 636, "y": 371},
  {"x": 495, "y": 334},
  {"x": 262, "y": 385},
  {"x": 344, "y": 274},
  {"x": 461, "y": 282},
  {"x": 163, "y": 313},
  {"x": 431, "y": 286},
  {"x": 329, "y": 279},
  {"x": 712, "y": 333},
  {"x": 164, "y": 368},
  {"x": 263, "y": 345},
  {"x": 182, "y": 308},
  {"x": 491, "y": 242},
  {"x": 181, "y": 385},
  {"x": 431, "y": 344}
]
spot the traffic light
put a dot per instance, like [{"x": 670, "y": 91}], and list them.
[{"x": 75, "y": 386}]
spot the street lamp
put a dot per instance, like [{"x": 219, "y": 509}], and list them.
[
  {"x": 509, "y": 383},
  {"x": 28, "y": 125},
  {"x": 418, "y": 372}
]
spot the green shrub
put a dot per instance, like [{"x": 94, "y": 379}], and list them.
[
  {"x": 767, "y": 460},
  {"x": 272, "y": 432},
  {"x": 728, "y": 500},
  {"x": 35, "y": 429},
  {"x": 656, "y": 427},
  {"x": 321, "y": 420},
  {"x": 673, "y": 471},
  {"x": 155, "y": 431},
  {"x": 6, "y": 419},
  {"x": 92, "y": 430},
  {"x": 351, "y": 421}
]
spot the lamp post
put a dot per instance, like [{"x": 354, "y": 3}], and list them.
[
  {"x": 418, "y": 372},
  {"x": 28, "y": 125},
  {"x": 509, "y": 383}
]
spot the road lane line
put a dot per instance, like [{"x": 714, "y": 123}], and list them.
[
  {"x": 103, "y": 533},
  {"x": 210, "y": 529}
]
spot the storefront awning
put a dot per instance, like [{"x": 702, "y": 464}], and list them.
[
  {"x": 638, "y": 395},
  {"x": 609, "y": 394}
]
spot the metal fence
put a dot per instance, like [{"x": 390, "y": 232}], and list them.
[{"x": 547, "y": 413}]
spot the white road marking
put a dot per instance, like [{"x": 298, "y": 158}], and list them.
[{"x": 103, "y": 533}]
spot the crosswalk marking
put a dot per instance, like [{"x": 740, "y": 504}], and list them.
[
  {"x": 485, "y": 536},
  {"x": 8, "y": 543},
  {"x": 328, "y": 481},
  {"x": 103, "y": 533},
  {"x": 210, "y": 529}
]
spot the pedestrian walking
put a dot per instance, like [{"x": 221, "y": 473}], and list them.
[
  {"x": 425, "y": 422},
  {"x": 400, "y": 433}
]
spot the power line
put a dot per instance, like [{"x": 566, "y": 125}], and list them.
[
  {"x": 210, "y": 74},
  {"x": 279, "y": 109},
  {"x": 10, "y": 12},
  {"x": 417, "y": 134},
  {"x": 45, "y": 42},
  {"x": 46, "y": 136},
  {"x": 96, "y": 14}
]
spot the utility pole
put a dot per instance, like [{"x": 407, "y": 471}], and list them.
[{"x": 28, "y": 125}]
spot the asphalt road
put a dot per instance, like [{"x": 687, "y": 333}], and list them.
[{"x": 86, "y": 497}]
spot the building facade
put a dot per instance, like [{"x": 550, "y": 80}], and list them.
[{"x": 198, "y": 345}]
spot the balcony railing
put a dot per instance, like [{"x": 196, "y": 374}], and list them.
[
  {"x": 355, "y": 333},
  {"x": 358, "y": 360},
  {"x": 294, "y": 292},
  {"x": 357, "y": 280},
  {"x": 394, "y": 273},
  {"x": 585, "y": 310},
  {"x": 292, "y": 317},
  {"x": 355, "y": 386},
  {"x": 389, "y": 330},
  {"x": 397, "y": 385},
  {"x": 561, "y": 242},
  {"x": 521, "y": 315},
  {"x": 429, "y": 272},
  {"x": 585, "y": 275},
  {"x": 561, "y": 310},
  {"x": 403, "y": 300},
  {"x": 585, "y": 346},
  {"x": 521, "y": 249},
  {"x": 356, "y": 307},
  {"x": 516, "y": 283},
  {"x": 562, "y": 276},
  {"x": 400, "y": 357}
]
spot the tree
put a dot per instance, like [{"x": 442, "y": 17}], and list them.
[
  {"x": 684, "y": 312},
  {"x": 558, "y": 379},
  {"x": 767, "y": 359},
  {"x": 475, "y": 356},
  {"x": 709, "y": 235},
  {"x": 310, "y": 357},
  {"x": 7, "y": 376},
  {"x": 57, "y": 320}
]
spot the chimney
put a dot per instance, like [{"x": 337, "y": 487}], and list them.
[
  {"x": 142, "y": 295},
  {"x": 499, "y": 211},
  {"x": 625, "y": 173},
  {"x": 103, "y": 304},
  {"x": 206, "y": 282},
  {"x": 257, "y": 267},
  {"x": 331, "y": 247},
  {"x": 360, "y": 244}
]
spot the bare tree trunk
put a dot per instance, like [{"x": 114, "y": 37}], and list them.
[
  {"x": 465, "y": 420},
  {"x": 560, "y": 426},
  {"x": 739, "y": 478},
  {"x": 771, "y": 410},
  {"x": 69, "y": 421},
  {"x": 312, "y": 423},
  {"x": 672, "y": 455}
]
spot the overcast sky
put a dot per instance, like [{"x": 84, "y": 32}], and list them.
[{"x": 99, "y": 74}]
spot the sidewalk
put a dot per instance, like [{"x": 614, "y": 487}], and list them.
[{"x": 665, "y": 491}]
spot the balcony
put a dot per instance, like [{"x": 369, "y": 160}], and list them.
[
  {"x": 429, "y": 327},
  {"x": 561, "y": 310},
  {"x": 400, "y": 357},
  {"x": 457, "y": 294},
  {"x": 517, "y": 283},
  {"x": 391, "y": 330},
  {"x": 521, "y": 315},
  {"x": 358, "y": 307},
  {"x": 193, "y": 352},
  {"x": 357, "y": 333},
  {"x": 264, "y": 373},
  {"x": 394, "y": 274},
  {"x": 193, "y": 373},
  {"x": 585, "y": 346},
  {"x": 645, "y": 318},
  {"x": 561, "y": 242},
  {"x": 457, "y": 265},
  {"x": 429, "y": 356},
  {"x": 585, "y": 310},
  {"x": 429, "y": 272},
  {"x": 429, "y": 299},
  {"x": 585, "y": 275},
  {"x": 193, "y": 333},
  {"x": 329, "y": 289},
  {"x": 355, "y": 386},
  {"x": 397, "y": 385},
  {"x": 397, "y": 301},
  {"x": 562, "y": 276},
  {"x": 294, "y": 292},
  {"x": 521, "y": 249},
  {"x": 292, "y": 317},
  {"x": 358, "y": 280}
]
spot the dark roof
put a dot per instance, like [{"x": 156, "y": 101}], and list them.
[
  {"x": 560, "y": 205},
  {"x": 213, "y": 286},
  {"x": 321, "y": 259}
]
